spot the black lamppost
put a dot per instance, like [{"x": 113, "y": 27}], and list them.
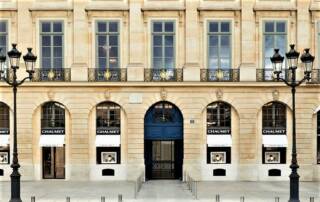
[
  {"x": 292, "y": 60},
  {"x": 30, "y": 59}
]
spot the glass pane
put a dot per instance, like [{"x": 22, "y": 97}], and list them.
[
  {"x": 57, "y": 27},
  {"x": 169, "y": 40},
  {"x": 59, "y": 162},
  {"x": 46, "y": 63},
  {"x": 213, "y": 51},
  {"x": 213, "y": 63},
  {"x": 113, "y": 27},
  {"x": 157, "y": 63},
  {"x": 102, "y": 41},
  {"x": 113, "y": 52},
  {"x": 102, "y": 51},
  {"x": 3, "y": 40},
  {"x": 113, "y": 63},
  {"x": 269, "y": 27},
  {"x": 169, "y": 63},
  {"x": 169, "y": 52},
  {"x": 225, "y": 41},
  {"x": 213, "y": 40},
  {"x": 57, "y": 40},
  {"x": 102, "y": 27},
  {"x": 157, "y": 52},
  {"x": 102, "y": 63},
  {"x": 213, "y": 27},
  {"x": 267, "y": 63},
  {"x": 46, "y": 27},
  {"x": 57, "y": 52},
  {"x": 169, "y": 26},
  {"x": 268, "y": 46},
  {"x": 225, "y": 27},
  {"x": 157, "y": 27},
  {"x": 157, "y": 40},
  {"x": 225, "y": 51},
  {"x": 57, "y": 63},
  {"x": 113, "y": 40},
  {"x": 46, "y": 52},
  {"x": 3, "y": 26},
  {"x": 281, "y": 27},
  {"x": 225, "y": 63},
  {"x": 281, "y": 44},
  {"x": 46, "y": 40}
]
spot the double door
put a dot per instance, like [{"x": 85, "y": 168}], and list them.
[
  {"x": 53, "y": 162},
  {"x": 163, "y": 159}
]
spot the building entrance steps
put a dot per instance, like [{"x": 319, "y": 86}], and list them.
[{"x": 158, "y": 191}]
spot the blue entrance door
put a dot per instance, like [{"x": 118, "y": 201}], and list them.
[{"x": 163, "y": 142}]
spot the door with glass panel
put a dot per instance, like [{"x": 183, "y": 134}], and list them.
[{"x": 53, "y": 160}]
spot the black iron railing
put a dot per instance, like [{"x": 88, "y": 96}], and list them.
[
  {"x": 163, "y": 75},
  {"x": 267, "y": 75},
  {"x": 61, "y": 74},
  {"x": 221, "y": 75},
  {"x": 315, "y": 76},
  {"x": 110, "y": 74},
  {"x": 7, "y": 74}
]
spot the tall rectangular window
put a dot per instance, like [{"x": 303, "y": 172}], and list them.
[
  {"x": 4, "y": 36},
  {"x": 274, "y": 36},
  {"x": 219, "y": 45},
  {"x": 51, "y": 44},
  {"x": 163, "y": 45},
  {"x": 107, "y": 44}
]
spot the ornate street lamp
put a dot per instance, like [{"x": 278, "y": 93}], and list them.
[
  {"x": 292, "y": 60},
  {"x": 14, "y": 57}
]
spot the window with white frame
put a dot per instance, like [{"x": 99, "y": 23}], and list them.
[
  {"x": 219, "y": 45},
  {"x": 107, "y": 44},
  {"x": 274, "y": 36},
  {"x": 163, "y": 44},
  {"x": 51, "y": 44}
]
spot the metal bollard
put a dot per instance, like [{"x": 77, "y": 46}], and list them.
[
  {"x": 217, "y": 198},
  {"x": 103, "y": 199},
  {"x": 33, "y": 199},
  {"x": 277, "y": 199},
  {"x": 311, "y": 199},
  {"x": 68, "y": 199},
  {"x": 242, "y": 199},
  {"x": 120, "y": 198}
]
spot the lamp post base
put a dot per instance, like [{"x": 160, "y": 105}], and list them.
[
  {"x": 15, "y": 200},
  {"x": 294, "y": 200}
]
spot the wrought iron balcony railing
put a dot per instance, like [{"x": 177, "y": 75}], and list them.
[
  {"x": 221, "y": 75},
  {"x": 110, "y": 75},
  {"x": 168, "y": 75},
  {"x": 54, "y": 75},
  {"x": 8, "y": 73},
  {"x": 267, "y": 75},
  {"x": 315, "y": 76}
]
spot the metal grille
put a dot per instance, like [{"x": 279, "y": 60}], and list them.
[
  {"x": 163, "y": 75},
  {"x": 52, "y": 75},
  {"x": 112, "y": 75},
  {"x": 232, "y": 75}
]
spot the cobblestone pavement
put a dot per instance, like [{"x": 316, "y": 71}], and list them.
[{"x": 159, "y": 190}]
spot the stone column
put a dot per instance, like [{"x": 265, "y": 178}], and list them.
[
  {"x": 136, "y": 42},
  {"x": 79, "y": 67},
  {"x": 191, "y": 71},
  {"x": 248, "y": 48}
]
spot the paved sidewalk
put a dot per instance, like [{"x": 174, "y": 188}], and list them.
[{"x": 159, "y": 191}]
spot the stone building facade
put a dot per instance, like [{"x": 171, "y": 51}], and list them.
[{"x": 190, "y": 82}]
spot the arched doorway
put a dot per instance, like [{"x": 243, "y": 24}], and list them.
[{"x": 163, "y": 134}]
